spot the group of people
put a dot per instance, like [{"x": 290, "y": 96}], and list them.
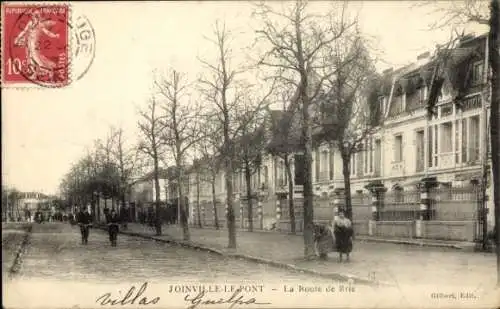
[
  {"x": 84, "y": 220},
  {"x": 334, "y": 237}
]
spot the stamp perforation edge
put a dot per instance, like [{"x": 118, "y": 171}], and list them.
[{"x": 30, "y": 85}]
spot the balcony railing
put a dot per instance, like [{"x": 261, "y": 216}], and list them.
[
  {"x": 397, "y": 168},
  {"x": 446, "y": 160},
  {"x": 323, "y": 176}
]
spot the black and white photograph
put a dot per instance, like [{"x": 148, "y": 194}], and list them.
[{"x": 250, "y": 154}]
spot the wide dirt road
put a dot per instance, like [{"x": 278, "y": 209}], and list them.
[{"x": 55, "y": 252}]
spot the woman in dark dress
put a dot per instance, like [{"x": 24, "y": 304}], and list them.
[{"x": 342, "y": 228}]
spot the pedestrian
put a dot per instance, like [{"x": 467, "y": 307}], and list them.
[
  {"x": 113, "y": 221},
  {"x": 342, "y": 228},
  {"x": 84, "y": 220},
  {"x": 322, "y": 240}
]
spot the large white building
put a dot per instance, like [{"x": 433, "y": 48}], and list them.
[{"x": 408, "y": 146}]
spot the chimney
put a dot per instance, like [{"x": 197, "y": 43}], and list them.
[{"x": 423, "y": 56}]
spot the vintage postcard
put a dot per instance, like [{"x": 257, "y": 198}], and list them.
[{"x": 232, "y": 154}]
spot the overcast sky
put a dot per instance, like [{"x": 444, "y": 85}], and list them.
[{"x": 45, "y": 131}]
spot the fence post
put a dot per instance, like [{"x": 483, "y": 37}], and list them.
[
  {"x": 425, "y": 205},
  {"x": 278, "y": 214},
  {"x": 372, "y": 224},
  {"x": 203, "y": 214},
  {"x": 226, "y": 212},
  {"x": 338, "y": 200},
  {"x": 377, "y": 190},
  {"x": 242, "y": 218},
  {"x": 261, "y": 217},
  {"x": 422, "y": 214}
]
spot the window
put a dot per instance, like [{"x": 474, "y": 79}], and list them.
[
  {"x": 276, "y": 180},
  {"x": 282, "y": 174},
  {"x": 477, "y": 72},
  {"x": 370, "y": 145},
  {"x": 432, "y": 146},
  {"x": 421, "y": 95},
  {"x": 299, "y": 169},
  {"x": 457, "y": 141},
  {"x": 331, "y": 162},
  {"x": 317, "y": 164},
  {"x": 368, "y": 156},
  {"x": 474, "y": 139},
  {"x": 324, "y": 164},
  {"x": 420, "y": 150},
  {"x": 397, "y": 105},
  {"x": 464, "y": 140},
  {"x": 436, "y": 145},
  {"x": 366, "y": 153},
  {"x": 398, "y": 148},
  {"x": 378, "y": 156},
  {"x": 353, "y": 164},
  {"x": 446, "y": 137},
  {"x": 265, "y": 176}
]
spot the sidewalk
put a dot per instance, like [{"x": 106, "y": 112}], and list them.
[
  {"x": 459, "y": 245},
  {"x": 383, "y": 262}
]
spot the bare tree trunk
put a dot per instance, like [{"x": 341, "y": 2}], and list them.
[
  {"x": 230, "y": 211},
  {"x": 157, "y": 195},
  {"x": 214, "y": 203},
  {"x": 494, "y": 50},
  {"x": 248, "y": 177},
  {"x": 198, "y": 208},
  {"x": 291, "y": 207},
  {"x": 182, "y": 206},
  {"x": 346, "y": 171},
  {"x": 97, "y": 213},
  {"x": 309, "y": 250}
]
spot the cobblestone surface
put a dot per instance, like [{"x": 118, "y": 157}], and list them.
[
  {"x": 396, "y": 264},
  {"x": 55, "y": 252}
]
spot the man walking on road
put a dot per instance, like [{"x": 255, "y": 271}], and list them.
[{"x": 84, "y": 221}]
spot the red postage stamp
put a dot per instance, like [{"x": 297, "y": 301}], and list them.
[{"x": 35, "y": 44}]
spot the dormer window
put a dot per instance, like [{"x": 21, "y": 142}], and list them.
[{"x": 477, "y": 72}]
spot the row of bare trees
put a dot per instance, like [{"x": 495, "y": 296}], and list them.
[
  {"x": 105, "y": 171},
  {"x": 317, "y": 65}
]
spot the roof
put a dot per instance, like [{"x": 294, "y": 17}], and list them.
[
  {"x": 163, "y": 174},
  {"x": 285, "y": 132},
  {"x": 416, "y": 75}
]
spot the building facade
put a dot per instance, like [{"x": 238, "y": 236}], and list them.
[{"x": 452, "y": 145}]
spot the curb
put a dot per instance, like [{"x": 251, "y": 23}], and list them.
[
  {"x": 379, "y": 240},
  {"x": 16, "y": 265},
  {"x": 413, "y": 243},
  {"x": 193, "y": 245}
]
